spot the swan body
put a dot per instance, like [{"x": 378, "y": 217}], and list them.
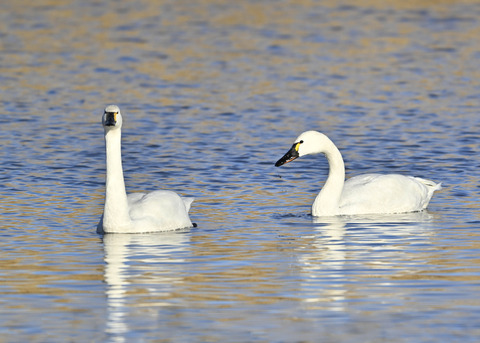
[
  {"x": 363, "y": 194},
  {"x": 137, "y": 212}
]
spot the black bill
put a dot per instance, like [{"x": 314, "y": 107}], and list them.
[
  {"x": 110, "y": 118},
  {"x": 289, "y": 156}
]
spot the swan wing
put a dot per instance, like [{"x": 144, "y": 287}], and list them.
[
  {"x": 159, "y": 209},
  {"x": 389, "y": 193}
]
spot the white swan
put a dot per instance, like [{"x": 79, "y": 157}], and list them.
[
  {"x": 137, "y": 212},
  {"x": 363, "y": 194}
]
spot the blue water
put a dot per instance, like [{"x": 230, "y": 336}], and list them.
[{"x": 213, "y": 94}]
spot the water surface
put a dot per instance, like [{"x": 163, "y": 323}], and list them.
[{"x": 213, "y": 93}]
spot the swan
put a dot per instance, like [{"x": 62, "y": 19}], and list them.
[
  {"x": 137, "y": 212},
  {"x": 362, "y": 194}
]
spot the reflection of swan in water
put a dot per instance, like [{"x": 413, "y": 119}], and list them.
[
  {"x": 133, "y": 263},
  {"x": 327, "y": 258},
  {"x": 332, "y": 257}
]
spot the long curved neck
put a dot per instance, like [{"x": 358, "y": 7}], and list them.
[
  {"x": 327, "y": 201},
  {"x": 115, "y": 213}
]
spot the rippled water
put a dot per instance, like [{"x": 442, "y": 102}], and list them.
[{"x": 213, "y": 93}]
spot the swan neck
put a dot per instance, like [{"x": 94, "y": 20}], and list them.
[
  {"x": 328, "y": 200},
  {"x": 116, "y": 205}
]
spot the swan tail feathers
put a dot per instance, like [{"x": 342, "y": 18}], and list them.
[
  {"x": 188, "y": 203},
  {"x": 438, "y": 186},
  {"x": 430, "y": 184}
]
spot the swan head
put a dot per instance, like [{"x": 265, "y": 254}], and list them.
[
  {"x": 112, "y": 118},
  {"x": 309, "y": 142}
]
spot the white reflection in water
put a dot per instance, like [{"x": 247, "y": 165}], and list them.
[
  {"x": 134, "y": 261},
  {"x": 333, "y": 258}
]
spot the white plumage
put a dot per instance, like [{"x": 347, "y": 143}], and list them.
[
  {"x": 137, "y": 212},
  {"x": 363, "y": 194}
]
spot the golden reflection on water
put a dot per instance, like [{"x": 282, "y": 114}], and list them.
[{"x": 76, "y": 38}]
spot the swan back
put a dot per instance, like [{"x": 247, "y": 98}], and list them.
[
  {"x": 385, "y": 193},
  {"x": 158, "y": 211}
]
